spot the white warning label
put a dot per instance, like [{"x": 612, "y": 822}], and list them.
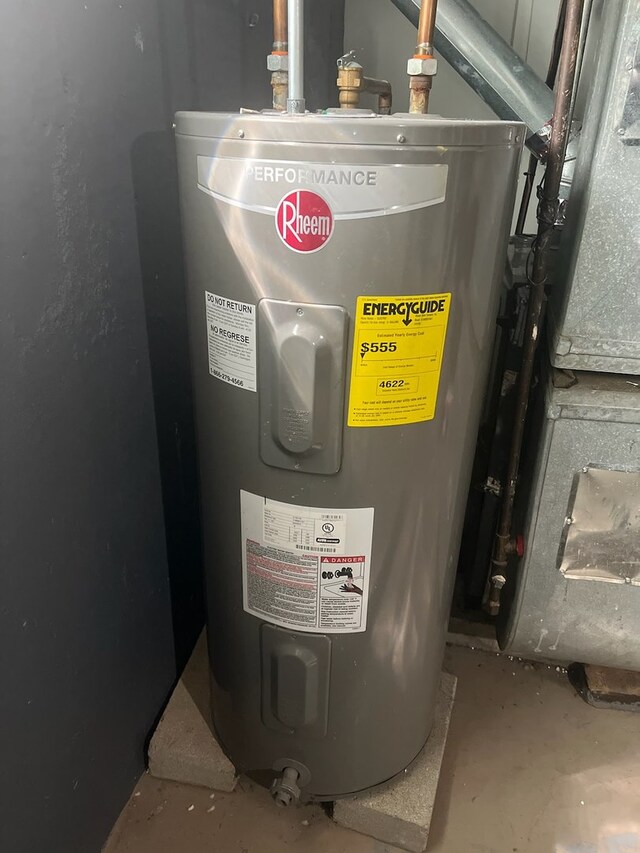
[
  {"x": 231, "y": 339},
  {"x": 306, "y": 568}
]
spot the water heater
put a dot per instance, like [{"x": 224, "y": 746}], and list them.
[{"x": 343, "y": 276}]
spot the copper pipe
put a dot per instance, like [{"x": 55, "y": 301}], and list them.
[
  {"x": 552, "y": 70},
  {"x": 280, "y": 25},
  {"x": 426, "y": 27},
  {"x": 548, "y": 215},
  {"x": 278, "y": 62},
  {"x": 422, "y": 66}
]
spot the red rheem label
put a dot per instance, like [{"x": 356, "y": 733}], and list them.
[{"x": 304, "y": 221}]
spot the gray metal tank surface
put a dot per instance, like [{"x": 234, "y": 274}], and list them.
[{"x": 338, "y": 679}]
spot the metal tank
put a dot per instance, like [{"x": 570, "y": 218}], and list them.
[{"x": 343, "y": 275}]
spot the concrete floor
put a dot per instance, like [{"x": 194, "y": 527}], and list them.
[{"x": 529, "y": 768}]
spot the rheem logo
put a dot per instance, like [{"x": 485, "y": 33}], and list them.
[{"x": 304, "y": 221}]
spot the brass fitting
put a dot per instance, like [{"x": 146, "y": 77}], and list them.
[
  {"x": 278, "y": 65},
  {"x": 419, "y": 89},
  {"x": 421, "y": 69},
  {"x": 381, "y": 88},
  {"x": 422, "y": 65},
  {"x": 349, "y": 84}
]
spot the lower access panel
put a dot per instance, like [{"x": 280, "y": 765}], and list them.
[{"x": 295, "y": 681}]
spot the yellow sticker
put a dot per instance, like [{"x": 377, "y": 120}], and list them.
[{"x": 398, "y": 344}]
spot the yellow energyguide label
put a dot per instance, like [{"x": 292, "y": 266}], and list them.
[{"x": 398, "y": 344}]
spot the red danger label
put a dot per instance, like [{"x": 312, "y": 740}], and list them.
[
  {"x": 304, "y": 221},
  {"x": 359, "y": 559}
]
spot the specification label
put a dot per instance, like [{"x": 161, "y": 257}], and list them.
[
  {"x": 231, "y": 340},
  {"x": 398, "y": 346},
  {"x": 304, "y": 567}
]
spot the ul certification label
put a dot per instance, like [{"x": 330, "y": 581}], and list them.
[
  {"x": 397, "y": 357},
  {"x": 304, "y": 567},
  {"x": 231, "y": 339}
]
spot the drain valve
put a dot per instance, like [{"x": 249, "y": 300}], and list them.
[{"x": 285, "y": 790}]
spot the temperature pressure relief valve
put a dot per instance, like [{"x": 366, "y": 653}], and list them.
[{"x": 351, "y": 83}]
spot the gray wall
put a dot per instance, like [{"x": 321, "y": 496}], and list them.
[{"x": 95, "y": 406}]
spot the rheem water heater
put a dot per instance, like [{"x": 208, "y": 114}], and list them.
[{"x": 343, "y": 276}]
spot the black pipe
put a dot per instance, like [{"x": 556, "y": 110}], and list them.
[
  {"x": 552, "y": 70},
  {"x": 547, "y": 219}
]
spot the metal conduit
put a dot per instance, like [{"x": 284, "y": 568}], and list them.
[{"x": 295, "y": 14}]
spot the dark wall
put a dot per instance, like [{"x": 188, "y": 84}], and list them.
[
  {"x": 100, "y": 595},
  {"x": 86, "y": 640}
]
